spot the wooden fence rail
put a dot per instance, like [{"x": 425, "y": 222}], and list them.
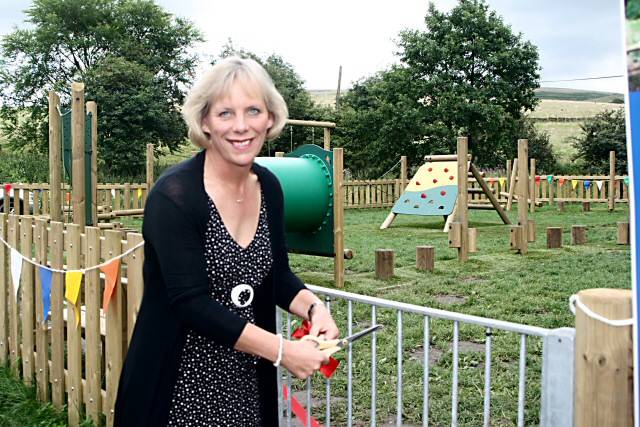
[{"x": 66, "y": 371}]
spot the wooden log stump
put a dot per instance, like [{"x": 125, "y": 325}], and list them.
[
  {"x": 623, "y": 233},
  {"x": 425, "y": 257},
  {"x": 578, "y": 234},
  {"x": 384, "y": 264},
  {"x": 561, "y": 206},
  {"x": 554, "y": 237},
  {"x": 586, "y": 206},
  {"x": 516, "y": 233},
  {"x": 473, "y": 240},
  {"x": 603, "y": 360}
]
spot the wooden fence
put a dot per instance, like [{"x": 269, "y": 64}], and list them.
[{"x": 74, "y": 365}]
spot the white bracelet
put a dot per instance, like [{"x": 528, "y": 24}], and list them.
[{"x": 280, "y": 348}]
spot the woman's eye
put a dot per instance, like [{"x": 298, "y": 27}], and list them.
[
  {"x": 254, "y": 111},
  {"x": 224, "y": 114}
]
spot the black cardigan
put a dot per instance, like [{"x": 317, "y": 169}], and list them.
[{"x": 177, "y": 297}]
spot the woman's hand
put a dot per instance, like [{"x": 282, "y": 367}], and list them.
[
  {"x": 322, "y": 324},
  {"x": 302, "y": 358}
]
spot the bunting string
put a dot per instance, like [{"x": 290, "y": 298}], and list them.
[{"x": 81, "y": 270}]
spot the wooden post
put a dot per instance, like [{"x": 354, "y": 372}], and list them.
[
  {"x": 55, "y": 158},
  {"x": 586, "y": 206},
  {"x": 508, "y": 176},
  {"x": 279, "y": 154},
  {"x": 462, "y": 212},
  {"x": 135, "y": 283},
  {"x": 578, "y": 234},
  {"x": 327, "y": 139},
  {"x": 403, "y": 173},
  {"x": 13, "y": 237},
  {"x": 93, "y": 352},
  {"x": 554, "y": 237},
  {"x": 623, "y": 233},
  {"x": 603, "y": 360},
  {"x": 531, "y": 231},
  {"x": 27, "y": 289},
  {"x": 42, "y": 341},
  {"x": 57, "y": 318},
  {"x": 384, "y": 264},
  {"x": 523, "y": 188},
  {"x": 473, "y": 240},
  {"x": 114, "y": 351},
  {"x": 338, "y": 216},
  {"x": 532, "y": 186},
  {"x": 512, "y": 184},
  {"x": 77, "y": 144},
  {"x": 92, "y": 108},
  {"x": 74, "y": 330},
  {"x": 612, "y": 180},
  {"x": 425, "y": 257}
]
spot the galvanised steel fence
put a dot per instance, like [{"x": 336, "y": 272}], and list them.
[{"x": 549, "y": 388}]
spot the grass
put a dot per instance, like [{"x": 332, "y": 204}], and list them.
[
  {"x": 559, "y": 136},
  {"x": 565, "y": 108},
  {"x": 19, "y": 407},
  {"x": 533, "y": 289}
]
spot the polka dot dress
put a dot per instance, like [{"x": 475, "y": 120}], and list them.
[{"x": 216, "y": 385}]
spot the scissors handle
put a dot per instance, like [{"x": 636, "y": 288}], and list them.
[{"x": 323, "y": 344}]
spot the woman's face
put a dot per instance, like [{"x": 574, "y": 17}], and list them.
[{"x": 237, "y": 124}]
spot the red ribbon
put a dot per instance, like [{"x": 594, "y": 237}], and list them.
[
  {"x": 326, "y": 370},
  {"x": 298, "y": 410}
]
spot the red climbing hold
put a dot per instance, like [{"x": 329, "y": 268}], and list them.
[
  {"x": 430, "y": 169},
  {"x": 451, "y": 177},
  {"x": 417, "y": 182},
  {"x": 442, "y": 193},
  {"x": 435, "y": 180},
  {"x": 424, "y": 196},
  {"x": 446, "y": 170}
]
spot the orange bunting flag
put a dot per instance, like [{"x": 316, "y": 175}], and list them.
[
  {"x": 73, "y": 280},
  {"x": 111, "y": 271},
  {"x": 574, "y": 183},
  {"x": 492, "y": 180},
  {"x": 561, "y": 181}
]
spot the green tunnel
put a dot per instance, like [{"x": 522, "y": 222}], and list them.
[{"x": 306, "y": 177}]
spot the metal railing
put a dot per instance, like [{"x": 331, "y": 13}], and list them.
[{"x": 556, "y": 376}]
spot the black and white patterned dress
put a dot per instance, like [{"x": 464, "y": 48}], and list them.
[{"x": 217, "y": 385}]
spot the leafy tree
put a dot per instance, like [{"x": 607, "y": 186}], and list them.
[
  {"x": 85, "y": 40},
  {"x": 600, "y": 135},
  {"x": 299, "y": 102},
  {"x": 466, "y": 74}
]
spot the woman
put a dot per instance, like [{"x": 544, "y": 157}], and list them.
[{"x": 204, "y": 348}]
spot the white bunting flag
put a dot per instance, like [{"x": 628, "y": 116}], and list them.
[
  {"x": 599, "y": 184},
  {"x": 1, "y": 193},
  {"x": 16, "y": 270},
  {"x": 11, "y": 192},
  {"x": 21, "y": 193},
  {"x": 113, "y": 192}
]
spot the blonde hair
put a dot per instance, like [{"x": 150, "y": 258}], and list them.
[{"x": 216, "y": 82}]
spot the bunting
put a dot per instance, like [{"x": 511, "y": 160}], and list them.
[
  {"x": 550, "y": 178},
  {"x": 73, "y": 280},
  {"x": 574, "y": 183},
  {"x": 113, "y": 193},
  {"x": 45, "y": 285},
  {"x": 502, "y": 181},
  {"x": 561, "y": 181},
  {"x": 139, "y": 193},
  {"x": 538, "y": 179},
  {"x": 8, "y": 189},
  {"x": 16, "y": 270},
  {"x": 110, "y": 271},
  {"x": 587, "y": 184},
  {"x": 599, "y": 184},
  {"x": 626, "y": 180}
]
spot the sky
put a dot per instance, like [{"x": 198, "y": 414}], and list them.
[{"x": 576, "y": 39}]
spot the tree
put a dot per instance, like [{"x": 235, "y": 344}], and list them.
[
  {"x": 466, "y": 74},
  {"x": 601, "y": 134},
  {"x": 299, "y": 102},
  {"x": 84, "y": 40}
]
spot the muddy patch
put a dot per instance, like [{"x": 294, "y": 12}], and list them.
[
  {"x": 435, "y": 355},
  {"x": 450, "y": 299}
]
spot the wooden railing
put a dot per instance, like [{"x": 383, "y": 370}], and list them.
[{"x": 66, "y": 371}]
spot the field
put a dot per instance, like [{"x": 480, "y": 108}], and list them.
[{"x": 532, "y": 289}]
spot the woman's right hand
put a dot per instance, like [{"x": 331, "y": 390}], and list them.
[{"x": 302, "y": 358}]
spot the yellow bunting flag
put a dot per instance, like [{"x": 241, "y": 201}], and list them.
[
  {"x": 502, "y": 181},
  {"x": 111, "y": 271},
  {"x": 73, "y": 279},
  {"x": 139, "y": 193},
  {"x": 574, "y": 183}
]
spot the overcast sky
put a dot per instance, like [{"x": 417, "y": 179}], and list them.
[{"x": 576, "y": 39}]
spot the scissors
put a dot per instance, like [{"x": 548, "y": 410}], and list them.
[{"x": 331, "y": 346}]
